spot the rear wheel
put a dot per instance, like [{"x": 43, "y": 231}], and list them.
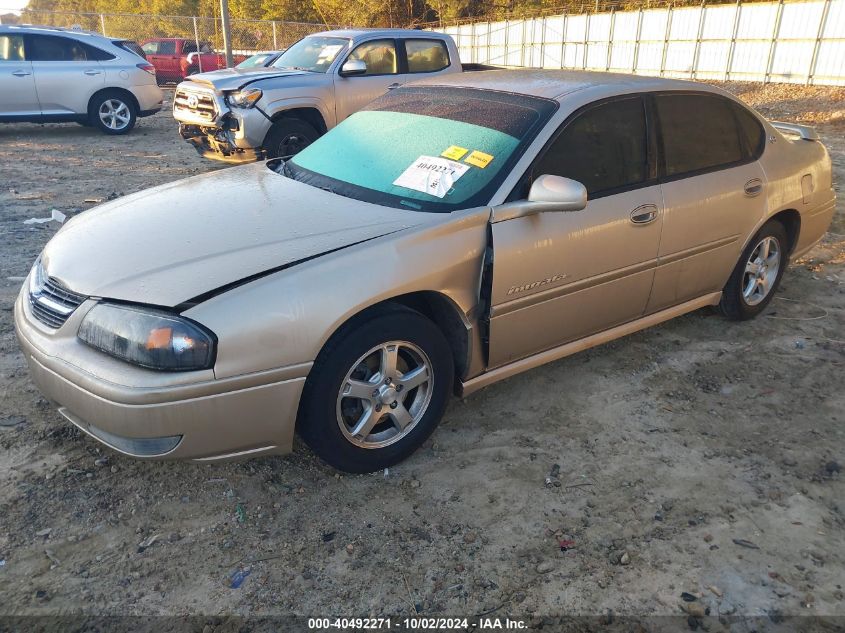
[
  {"x": 757, "y": 274},
  {"x": 289, "y": 136},
  {"x": 377, "y": 391},
  {"x": 112, "y": 112}
]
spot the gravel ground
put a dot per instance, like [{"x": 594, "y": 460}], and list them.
[{"x": 700, "y": 456}]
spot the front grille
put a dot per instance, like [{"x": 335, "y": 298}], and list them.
[
  {"x": 204, "y": 108},
  {"x": 52, "y": 304}
]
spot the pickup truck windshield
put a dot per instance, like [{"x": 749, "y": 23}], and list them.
[
  {"x": 314, "y": 54},
  {"x": 428, "y": 149}
]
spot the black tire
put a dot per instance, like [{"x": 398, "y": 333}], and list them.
[
  {"x": 734, "y": 304},
  {"x": 119, "y": 102},
  {"x": 318, "y": 421},
  {"x": 288, "y": 136}
]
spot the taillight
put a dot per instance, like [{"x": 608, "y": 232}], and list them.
[{"x": 147, "y": 68}]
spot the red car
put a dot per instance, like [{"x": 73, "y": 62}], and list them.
[{"x": 175, "y": 58}]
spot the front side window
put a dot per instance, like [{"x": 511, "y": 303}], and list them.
[
  {"x": 437, "y": 149},
  {"x": 426, "y": 56},
  {"x": 379, "y": 55},
  {"x": 604, "y": 148},
  {"x": 150, "y": 48},
  {"x": 47, "y": 48},
  {"x": 11, "y": 48},
  {"x": 699, "y": 133},
  {"x": 314, "y": 54},
  {"x": 167, "y": 47}
]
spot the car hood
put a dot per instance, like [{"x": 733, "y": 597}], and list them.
[
  {"x": 167, "y": 245},
  {"x": 233, "y": 78}
]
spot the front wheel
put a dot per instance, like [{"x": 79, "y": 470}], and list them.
[
  {"x": 377, "y": 391},
  {"x": 289, "y": 136},
  {"x": 757, "y": 273},
  {"x": 113, "y": 113}
]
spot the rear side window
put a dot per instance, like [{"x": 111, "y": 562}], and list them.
[
  {"x": 49, "y": 48},
  {"x": 426, "y": 56},
  {"x": 160, "y": 48},
  {"x": 96, "y": 54},
  {"x": 699, "y": 133},
  {"x": 753, "y": 134},
  {"x": 603, "y": 148},
  {"x": 11, "y": 48},
  {"x": 130, "y": 46}
]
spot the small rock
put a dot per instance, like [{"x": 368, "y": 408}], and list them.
[
  {"x": 328, "y": 537},
  {"x": 688, "y": 597},
  {"x": 727, "y": 608},
  {"x": 44, "y": 532},
  {"x": 11, "y": 420},
  {"x": 350, "y": 548},
  {"x": 625, "y": 559},
  {"x": 415, "y": 483},
  {"x": 470, "y": 537},
  {"x": 708, "y": 538},
  {"x": 545, "y": 567},
  {"x": 695, "y": 609},
  {"x": 743, "y": 543},
  {"x": 832, "y": 467}
]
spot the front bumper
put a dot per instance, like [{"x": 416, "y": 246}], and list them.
[
  {"x": 156, "y": 415},
  {"x": 218, "y": 144}
]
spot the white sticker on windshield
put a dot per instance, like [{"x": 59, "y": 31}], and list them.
[
  {"x": 329, "y": 52},
  {"x": 432, "y": 175}
]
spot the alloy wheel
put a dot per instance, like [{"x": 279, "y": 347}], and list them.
[
  {"x": 114, "y": 114},
  {"x": 385, "y": 394},
  {"x": 761, "y": 271}
]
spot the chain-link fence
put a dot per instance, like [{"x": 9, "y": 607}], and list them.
[{"x": 248, "y": 36}]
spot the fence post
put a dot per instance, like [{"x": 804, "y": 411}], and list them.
[
  {"x": 543, "y": 45},
  {"x": 700, "y": 33},
  {"x": 734, "y": 33},
  {"x": 507, "y": 33},
  {"x": 637, "y": 41},
  {"x": 666, "y": 40},
  {"x": 227, "y": 32},
  {"x": 522, "y": 41},
  {"x": 775, "y": 33},
  {"x": 103, "y": 24},
  {"x": 586, "y": 42},
  {"x": 275, "y": 42},
  {"x": 610, "y": 39},
  {"x": 819, "y": 36},
  {"x": 197, "y": 42},
  {"x": 563, "y": 40},
  {"x": 489, "y": 31}
]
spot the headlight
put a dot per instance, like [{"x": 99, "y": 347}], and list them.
[
  {"x": 149, "y": 338},
  {"x": 244, "y": 98}
]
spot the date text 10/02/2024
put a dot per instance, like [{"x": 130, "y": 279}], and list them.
[{"x": 415, "y": 624}]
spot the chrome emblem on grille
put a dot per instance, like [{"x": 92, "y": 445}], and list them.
[{"x": 193, "y": 101}]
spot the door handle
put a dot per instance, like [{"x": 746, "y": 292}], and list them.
[
  {"x": 394, "y": 86},
  {"x": 753, "y": 187},
  {"x": 21, "y": 73},
  {"x": 91, "y": 73},
  {"x": 644, "y": 214}
]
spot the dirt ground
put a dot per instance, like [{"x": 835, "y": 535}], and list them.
[{"x": 701, "y": 456}]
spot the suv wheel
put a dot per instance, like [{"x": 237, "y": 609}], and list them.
[
  {"x": 376, "y": 391},
  {"x": 289, "y": 136},
  {"x": 111, "y": 112},
  {"x": 757, "y": 274}
]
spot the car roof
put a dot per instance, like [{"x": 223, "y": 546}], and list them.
[
  {"x": 356, "y": 33},
  {"x": 56, "y": 30},
  {"x": 556, "y": 84}
]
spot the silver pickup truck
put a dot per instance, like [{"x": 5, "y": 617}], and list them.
[{"x": 239, "y": 115}]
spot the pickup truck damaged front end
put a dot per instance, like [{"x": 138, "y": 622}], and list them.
[{"x": 217, "y": 131}]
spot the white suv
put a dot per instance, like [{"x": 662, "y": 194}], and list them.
[{"x": 51, "y": 75}]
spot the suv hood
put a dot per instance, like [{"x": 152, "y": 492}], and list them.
[
  {"x": 166, "y": 245},
  {"x": 232, "y": 78}
]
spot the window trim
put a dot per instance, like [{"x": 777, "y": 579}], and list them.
[
  {"x": 405, "y": 67},
  {"x": 651, "y": 157},
  {"x": 662, "y": 177},
  {"x": 399, "y": 59}
]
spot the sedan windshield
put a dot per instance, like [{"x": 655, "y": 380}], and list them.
[
  {"x": 314, "y": 54},
  {"x": 427, "y": 149}
]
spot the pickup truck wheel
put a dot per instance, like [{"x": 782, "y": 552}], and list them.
[
  {"x": 111, "y": 112},
  {"x": 288, "y": 136},
  {"x": 757, "y": 274},
  {"x": 376, "y": 391}
]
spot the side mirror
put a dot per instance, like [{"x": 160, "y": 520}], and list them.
[
  {"x": 353, "y": 67},
  {"x": 547, "y": 193}
]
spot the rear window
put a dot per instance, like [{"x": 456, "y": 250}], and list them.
[
  {"x": 132, "y": 47},
  {"x": 426, "y": 56},
  {"x": 699, "y": 133}
]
